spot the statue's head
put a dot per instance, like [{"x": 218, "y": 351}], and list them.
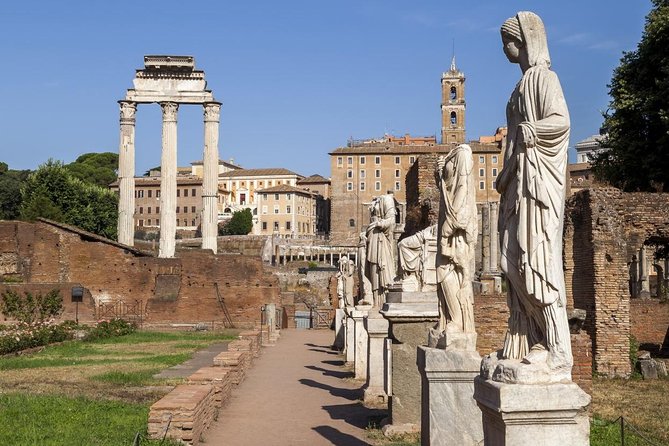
[{"x": 525, "y": 36}]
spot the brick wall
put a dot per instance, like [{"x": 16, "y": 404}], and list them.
[
  {"x": 180, "y": 289},
  {"x": 650, "y": 323},
  {"x": 603, "y": 229},
  {"x": 422, "y": 194}
]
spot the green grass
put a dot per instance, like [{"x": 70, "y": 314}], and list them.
[
  {"x": 138, "y": 378},
  {"x": 158, "y": 336},
  {"x": 47, "y": 420},
  {"x": 606, "y": 433}
]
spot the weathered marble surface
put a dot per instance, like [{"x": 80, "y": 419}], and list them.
[
  {"x": 377, "y": 331},
  {"x": 361, "y": 341},
  {"x": 450, "y": 415},
  {"x": 350, "y": 336},
  {"x": 340, "y": 329},
  {"x": 537, "y": 414}
]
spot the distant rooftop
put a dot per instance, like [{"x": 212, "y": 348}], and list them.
[
  {"x": 314, "y": 179},
  {"x": 272, "y": 171}
]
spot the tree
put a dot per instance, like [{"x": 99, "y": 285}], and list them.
[
  {"x": 637, "y": 122},
  {"x": 95, "y": 168},
  {"x": 53, "y": 192},
  {"x": 241, "y": 223},
  {"x": 11, "y": 182}
]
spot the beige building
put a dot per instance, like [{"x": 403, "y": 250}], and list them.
[
  {"x": 286, "y": 211},
  {"x": 147, "y": 202},
  {"x": 197, "y": 167},
  {"x": 238, "y": 187}
]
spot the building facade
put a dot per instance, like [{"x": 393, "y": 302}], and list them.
[{"x": 286, "y": 211}]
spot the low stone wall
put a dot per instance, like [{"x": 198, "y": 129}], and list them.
[{"x": 189, "y": 409}]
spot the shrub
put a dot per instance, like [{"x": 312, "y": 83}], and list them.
[
  {"x": 24, "y": 336},
  {"x": 30, "y": 309},
  {"x": 111, "y": 328}
]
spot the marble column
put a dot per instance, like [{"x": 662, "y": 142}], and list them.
[
  {"x": 168, "y": 180},
  {"x": 209, "y": 221},
  {"x": 126, "y": 174},
  {"x": 644, "y": 272}
]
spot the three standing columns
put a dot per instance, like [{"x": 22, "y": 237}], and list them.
[
  {"x": 209, "y": 220},
  {"x": 126, "y": 174}
]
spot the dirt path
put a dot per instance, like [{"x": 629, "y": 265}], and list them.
[{"x": 295, "y": 394}]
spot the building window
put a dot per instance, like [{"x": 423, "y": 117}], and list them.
[
  {"x": 178, "y": 192},
  {"x": 264, "y": 226},
  {"x": 349, "y": 186},
  {"x": 185, "y": 192},
  {"x": 287, "y": 196},
  {"x": 141, "y": 222},
  {"x": 192, "y": 209},
  {"x": 377, "y": 173},
  {"x": 193, "y": 192},
  {"x": 349, "y": 160},
  {"x": 193, "y": 222},
  {"x": 148, "y": 222},
  {"x": 141, "y": 210},
  {"x": 362, "y": 185},
  {"x": 454, "y": 118},
  {"x": 362, "y": 174},
  {"x": 351, "y": 222},
  {"x": 349, "y": 174},
  {"x": 158, "y": 193},
  {"x": 494, "y": 171},
  {"x": 397, "y": 173},
  {"x": 276, "y": 196},
  {"x": 340, "y": 161},
  {"x": 481, "y": 159},
  {"x": 264, "y": 196},
  {"x": 157, "y": 222},
  {"x": 494, "y": 159},
  {"x": 494, "y": 185},
  {"x": 453, "y": 93},
  {"x": 264, "y": 210},
  {"x": 157, "y": 210},
  {"x": 481, "y": 172},
  {"x": 397, "y": 160},
  {"x": 178, "y": 209},
  {"x": 288, "y": 209},
  {"x": 377, "y": 185},
  {"x": 276, "y": 225},
  {"x": 481, "y": 185},
  {"x": 412, "y": 159},
  {"x": 377, "y": 160},
  {"x": 288, "y": 226},
  {"x": 397, "y": 185},
  {"x": 276, "y": 208},
  {"x": 148, "y": 193},
  {"x": 362, "y": 160},
  {"x": 148, "y": 210}
]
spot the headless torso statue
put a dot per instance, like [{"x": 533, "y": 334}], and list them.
[{"x": 380, "y": 262}]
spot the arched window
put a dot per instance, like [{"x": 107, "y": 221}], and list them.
[
  {"x": 453, "y": 94},
  {"x": 351, "y": 222},
  {"x": 454, "y": 118}
]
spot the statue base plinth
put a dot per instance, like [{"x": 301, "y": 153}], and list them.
[
  {"x": 538, "y": 414},
  {"x": 451, "y": 340},
  {"x": 377, "y": 331},
  {"x": 449, "y": 414}
]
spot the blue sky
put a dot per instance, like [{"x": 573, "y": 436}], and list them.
[{"x": 296, "y": 78}]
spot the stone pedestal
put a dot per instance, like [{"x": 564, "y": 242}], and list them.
[
  {"x": 377, "y": 331},
  {"x": 361, "y": 340},
  {"x": 340, "y": 329},
  {"x": 449, "y": 412},
  {"x": 410, "y": 315},
  {"x": 350, "y": 336},
  {"x": 537, "y": 414}
]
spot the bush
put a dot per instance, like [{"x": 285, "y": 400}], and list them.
[
  {"x": 30, "y": 309},
  {"x": 23, "y": 336},
  {"x": 111, "y": 328}
]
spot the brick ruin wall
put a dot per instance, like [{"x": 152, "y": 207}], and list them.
[
  {"x": 603, "y": 229},
  {"x": 422, "y": 194},
  {"x": 41, "y": 256}
]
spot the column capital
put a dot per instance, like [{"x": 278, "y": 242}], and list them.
[
  {"x": 169, "y": 111},
  {"x": 128, "y": 110},
  {"x": 212, "y": 111}
]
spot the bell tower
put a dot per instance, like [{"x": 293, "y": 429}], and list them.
[{"x": 453, "y": 106}]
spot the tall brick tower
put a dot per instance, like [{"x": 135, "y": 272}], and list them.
[{"x": 453, "y": 106}]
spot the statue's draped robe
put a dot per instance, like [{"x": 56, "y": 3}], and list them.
[
  {"x": 532, "y": 186},
  {"x": 380, "y": 265},
  {"x": 412, "y": 250},
  {"x": 456, "y": 238}
]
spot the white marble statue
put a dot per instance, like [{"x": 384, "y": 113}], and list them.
[
  {"x": 364, "y": 285},
  {"x": 532, "y": 184},
  {"x": 415, "y": 256},
  {"x": 380, "y": 263},
  {"x": 456, "y": 242}
]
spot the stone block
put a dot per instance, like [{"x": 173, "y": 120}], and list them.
[
  {"x": 361, "y": 341},
  {"x": 340, "y": 329},
  {"x": 377, "y": 331},
  {"x": 537, "y": 414},
  {"x": 449, "y": 414}
]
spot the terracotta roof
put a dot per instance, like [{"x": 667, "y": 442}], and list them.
[
  {"x": 155, "y": 181},
  {"x": 383, "y": 149},
  {"x": 315, "y": 178},
  {"x": 223, "y": 162},
  {"x": 258, "y": 172},
  {"x": 284, "y": 188},
  {"x": 85, "y": 235}
]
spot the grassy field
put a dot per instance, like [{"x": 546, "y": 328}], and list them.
[{"x": 92, "y": 393}]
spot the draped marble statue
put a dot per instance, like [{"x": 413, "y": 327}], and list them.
[
  {"x": 457, "y": 230},
  {"x": 380, "y": 263},
  {"x": 417, "y": 260},
  {"x": 532, "y": 184},
  {"x": 364, "y": 285}
]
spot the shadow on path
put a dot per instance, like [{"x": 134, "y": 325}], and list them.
[
  {"x": 355, "y": 414},
  {"x": 338, "y": 438},
  {"x": 329, "y": 352},
  {"x": 349, "y": 394},
  {"x": 338, "y": 363},
  {"x": 329, "y": 372},
  {"x": 309, "y": 344}
]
